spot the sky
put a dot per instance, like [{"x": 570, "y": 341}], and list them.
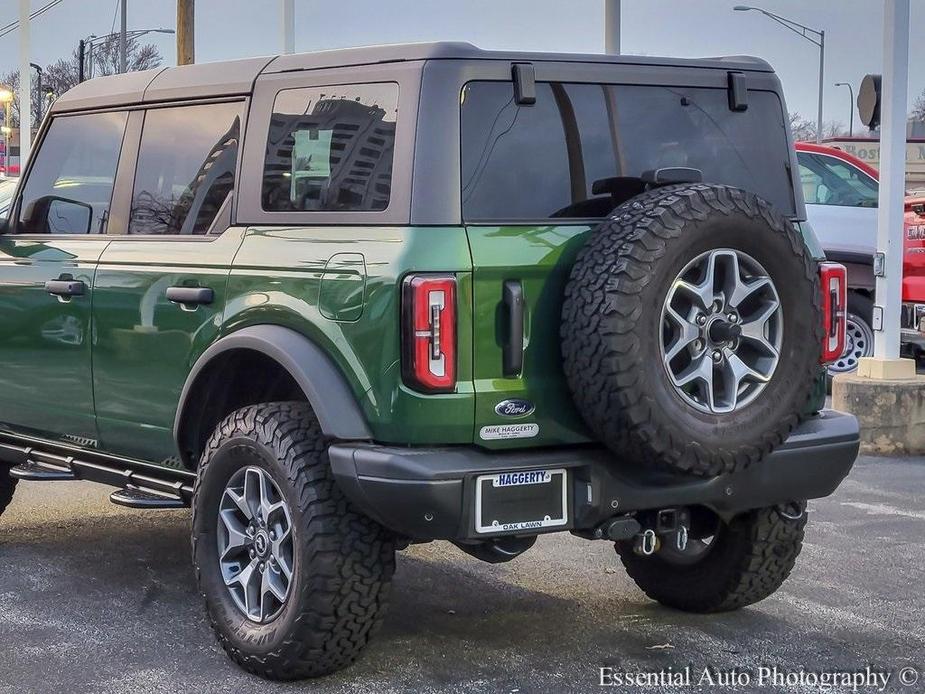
[{"x": 688, "y": 28}]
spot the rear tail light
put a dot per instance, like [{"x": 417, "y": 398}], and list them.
[
  {"x": 429, "y": 333},
  {"x": 834, "y": 281}
]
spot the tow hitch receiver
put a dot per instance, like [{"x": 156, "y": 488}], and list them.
[{"x": 671, "y": 525}]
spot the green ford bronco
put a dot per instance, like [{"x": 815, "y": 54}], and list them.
[{"x": 343, "y": 302}]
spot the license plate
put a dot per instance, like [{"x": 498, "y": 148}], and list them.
[{"x": 521, "y": 501}]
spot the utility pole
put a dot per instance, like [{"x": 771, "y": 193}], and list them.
[
  {"x": 892, "y": 179},
  {"x": 123, "y": 40},
  {"x": 288, "y": 26},
  {"x": 25, "y": 87},
  {"x": 612, "y": 27},
  {"x": 81, "y": 60},
  {"x": 186, "y": 32}
]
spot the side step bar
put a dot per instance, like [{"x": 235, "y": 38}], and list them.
[
  {"x": 133, "y": 497},
  {"x": 141, "y": 485},
  {"x": 35, "y": 471}
]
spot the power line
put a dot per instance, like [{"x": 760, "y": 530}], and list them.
[{"x": 13, "y": 26}]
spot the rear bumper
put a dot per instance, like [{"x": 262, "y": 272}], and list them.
[{"x": 428, "y": 493}]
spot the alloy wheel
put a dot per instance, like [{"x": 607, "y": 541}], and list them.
[
  {"x": 255, "y": 544},
  {"x": 722, "y": 329}
]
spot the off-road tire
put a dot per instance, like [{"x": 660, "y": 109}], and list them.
[
  {"x": 751, "y": 558},
  {"x": 7, "y": 487},
  {"x": 343, "y": 561},
  {"x": 611, "y": 329}
]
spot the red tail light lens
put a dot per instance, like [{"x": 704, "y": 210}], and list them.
[
  {"x": 834, "y": 281},
  {"x": 429, "y": 333}
]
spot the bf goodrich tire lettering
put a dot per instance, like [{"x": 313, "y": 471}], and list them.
[{"x": 615, "y": 337}]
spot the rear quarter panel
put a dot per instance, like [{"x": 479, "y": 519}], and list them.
[{"x": 280, "y": 274}]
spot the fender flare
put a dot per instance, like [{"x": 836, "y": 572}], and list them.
[{"x": 314, "y": 372}]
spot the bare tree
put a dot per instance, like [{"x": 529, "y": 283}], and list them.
[
  {"x": 103, "y": 57},
  {"x": 62, "y": 74},
  {"x": 804, "y": 130},
  {"x": 918, "y": 108}
]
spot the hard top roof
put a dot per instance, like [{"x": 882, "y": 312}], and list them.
[{"x": 236, "y": 77}]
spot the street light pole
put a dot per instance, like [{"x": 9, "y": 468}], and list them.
[
  {"x": 123, "y": 40},
  {"x": 805, "y": 32},
  {"x": 38, "y": 72},
  {"x": 821, "y": 83},
  {"x": 850, "y": 106}
]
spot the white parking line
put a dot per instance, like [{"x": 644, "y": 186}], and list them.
[{"x": 884, "y": 510}]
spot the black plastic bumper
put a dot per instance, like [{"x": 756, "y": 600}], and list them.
[{"x": 428, "y": 493}]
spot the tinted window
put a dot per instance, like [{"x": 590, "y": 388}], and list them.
[
  {"x": 186, "y": 166},
  {"x": 70, "y": 185},
  {"x": 331, "y": 148},
  {"x": 830, "y": 181},
  {"x": 541, "y": 161}
]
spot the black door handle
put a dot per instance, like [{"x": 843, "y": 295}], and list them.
[
  {"x": 512, "y": 296},
  {"x": 65, "y": 287},
  {"x": 190, "y": 295}
]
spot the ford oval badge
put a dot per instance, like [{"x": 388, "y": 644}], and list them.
[{"x": 514, "y": 408}]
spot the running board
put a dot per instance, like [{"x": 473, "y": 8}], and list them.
[
  {"x": 35, "y": 471},
  {"x": 133, "y": 497},
  {"x": 141, "y": 484}
]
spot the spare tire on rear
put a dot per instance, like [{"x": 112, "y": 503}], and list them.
[{"x": 692, "y": 329}]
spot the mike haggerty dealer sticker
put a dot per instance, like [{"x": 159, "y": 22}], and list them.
[{"x": 509, "y": 431}]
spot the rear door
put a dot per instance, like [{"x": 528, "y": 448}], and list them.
[
  {"x": 529, "y": 200},
  {"x": 159, "y": 292},
  {"x": 47, "y": 264}
]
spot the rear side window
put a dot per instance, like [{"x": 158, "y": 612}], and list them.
[
  {"x": 70, "y": 185},
  {"x": 331, "y": 149},
  {"x": 186, "y": 168},
  {"x": 541, "y": 161}
]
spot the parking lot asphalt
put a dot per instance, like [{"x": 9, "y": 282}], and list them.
[{"x": 98, "y": 598}]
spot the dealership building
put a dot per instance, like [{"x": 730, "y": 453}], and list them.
[{"x": 868, "y": 149}]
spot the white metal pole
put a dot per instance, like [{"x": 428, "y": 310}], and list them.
[
  {"x": 288, "y": 26},
  {"x": 25, "y": 87},
  {"x": 612, "y": 27},
  {"x": 892, "y": 177}
]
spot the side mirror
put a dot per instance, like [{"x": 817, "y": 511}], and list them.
[{"x": 56, "y": 215}]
